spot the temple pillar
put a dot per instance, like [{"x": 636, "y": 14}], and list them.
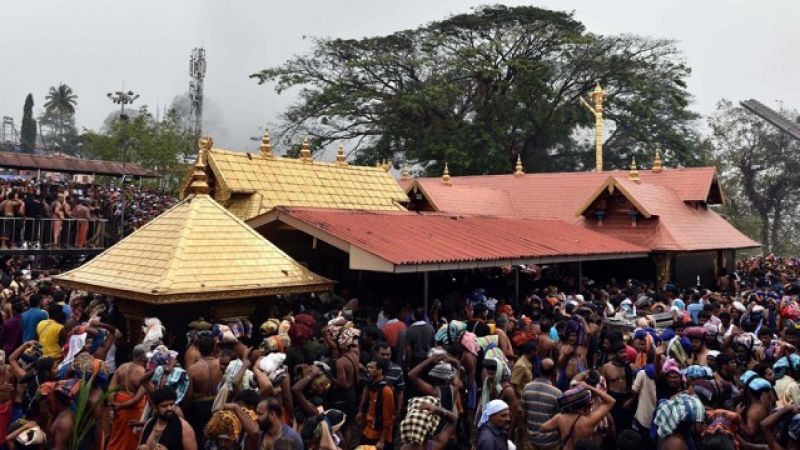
[
  {"x": 134, "y": 313},
  {"x": 663, "y": 262},
  {"x": 719, "y": 262}
]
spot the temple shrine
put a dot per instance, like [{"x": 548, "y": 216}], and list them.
[
  {"x": 258, "y": 224},
  {"x": 196, "y": 255}
]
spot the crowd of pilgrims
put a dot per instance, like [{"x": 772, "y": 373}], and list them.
[
  {"x": 60, "y": 202},
  {"x": 552, "y": 371}
]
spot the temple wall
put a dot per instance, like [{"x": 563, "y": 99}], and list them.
[{"x": 688, "y": 266}]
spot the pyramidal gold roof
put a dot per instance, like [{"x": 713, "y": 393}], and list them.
[
  {"x": 195, "y": 251},
  {"x": 250, "y": 184}
]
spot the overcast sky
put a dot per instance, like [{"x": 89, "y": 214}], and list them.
[{"x": 738, "y": 49}]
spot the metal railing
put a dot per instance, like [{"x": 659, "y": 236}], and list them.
[{"x": 25, "y": 233}]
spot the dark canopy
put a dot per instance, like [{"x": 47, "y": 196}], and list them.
[{"x": 65, "y": 164}]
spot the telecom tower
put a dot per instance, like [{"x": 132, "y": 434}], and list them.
[
  {"x": 197, "y": 70},
  {"x": 8, "y": 132}
]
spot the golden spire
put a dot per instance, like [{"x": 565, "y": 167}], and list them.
[
  {"x": 341, "y": 158},
  {"x": 657, "y": 161},
  {"x": 405, "y": 175},
  {"x": 199, "y": 183},
  {"x": 518, "y": 167},
  {"x": 446, "y": 176},
  {"x": 206, "y": 143},
  {"x": 598, "y": 95},
  {"x": 633, "y": 175},
  {"x": 266, "y": 148},
  {"x": 385, "y": 165},
  {"x": 305, "y": 150}
]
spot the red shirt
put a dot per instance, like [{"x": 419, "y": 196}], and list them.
[{"x": 391, "y": 331}]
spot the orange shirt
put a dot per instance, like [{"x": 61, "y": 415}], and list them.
[{"x": 387, "y": 417}]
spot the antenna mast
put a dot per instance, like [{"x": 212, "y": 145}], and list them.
[{"x": 197, "y": 70}]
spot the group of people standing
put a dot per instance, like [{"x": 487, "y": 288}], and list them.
[
  {"x": 64, "y": 216},
  {"x": 615, "y": 366}
]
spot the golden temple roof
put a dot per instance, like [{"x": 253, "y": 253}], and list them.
[
  {"x": 195, "y": 251},
  {"x": 249, "y": 184}
]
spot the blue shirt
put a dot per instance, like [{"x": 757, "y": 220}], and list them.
[
  {"x": 694, "y": 310},
  {"x": 30, "y": 319},
  {"x": 291, "y": 434},
  {"x": 491, "y": 438}
]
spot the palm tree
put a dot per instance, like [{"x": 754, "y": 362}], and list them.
[{"x": 62, "y": 101}]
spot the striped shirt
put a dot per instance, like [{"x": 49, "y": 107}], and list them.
[
  {"x": 680, "y": 408},
  {"x": 540, "y": 400}
]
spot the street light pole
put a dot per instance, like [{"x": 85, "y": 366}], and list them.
[{"x": 122, "y": 99}]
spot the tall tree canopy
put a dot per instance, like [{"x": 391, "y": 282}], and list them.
[
  {"x": 28, "y": 129},
  {"x": 478, "y": 89},
  {"x": 158, "y": 145},
  {"x": 60, "y": 105},
  {"x": 760, "y": 168}
]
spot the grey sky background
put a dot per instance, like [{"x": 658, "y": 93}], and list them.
[{"x": 738, "y": 49}]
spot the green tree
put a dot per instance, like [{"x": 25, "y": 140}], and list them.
[
  {"x": 61, "y": 102},
  {"x": 760, "y": 167},
  {"x": 28, "y": 131},
  {"x": 478, "y": 89},
  {"x": 157, "y": 145},
  {"x": 59, "y": 132}
]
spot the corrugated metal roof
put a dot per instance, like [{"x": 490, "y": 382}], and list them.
[
  {"x": 672, "y": 196},
  {"x": 65, "y": 164},
  {"x": 424, "y": 238}
]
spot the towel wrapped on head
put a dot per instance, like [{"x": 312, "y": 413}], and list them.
[
  {"x": 681, "y": 408},
  {"x": 574, "y": 399},
  {"x": 697, "y": 372},
  {"x": 492, "y": 408}
]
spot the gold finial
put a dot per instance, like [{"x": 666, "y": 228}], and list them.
[
  {"x": 405, "y": 175},
  {"x": 305, "y": 150},
  {"x": 341, "y": 158},
  {"x": 598, "y": 93},
  {"x": 633, "y": 175},
  {"x": 266, "y": 148},
  {"x": 205, "y": 143},
  {"x": 598, "y": 96},
  {"x": 385, "y": 165},
  {"x": 446, "y": 176},
  {"x": 518, "y": 167},
  {"x": 657, "y": 161},
  {"x": 199, "y": 183}
]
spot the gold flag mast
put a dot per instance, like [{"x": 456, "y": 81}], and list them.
[{"x": 598, "y": 95}]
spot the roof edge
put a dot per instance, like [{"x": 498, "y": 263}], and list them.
[
  {"x": 189, "y": 297},
  {"x": 415, "y": 183},
  {"x": 612, "y": 183}
]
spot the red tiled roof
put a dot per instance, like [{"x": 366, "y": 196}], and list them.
[
  {"x": 410, "y": 238},
  {"x": 677, "y": 225},
  {"x": 494, "y": 202},
  {"x": 63, "y": 164}
]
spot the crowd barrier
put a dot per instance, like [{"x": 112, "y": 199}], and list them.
[{"x": 29, "y": 233}]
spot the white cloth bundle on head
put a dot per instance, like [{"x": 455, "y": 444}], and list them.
[
  {"x": 224, "y": 334},
  {"x": 273, "y": 366},
  {"x": 153, "y": 331},
  {"x": 271, "y": 362},
  {"x": 492, "y": 408},
  {"x": 76, "y": 343}
]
